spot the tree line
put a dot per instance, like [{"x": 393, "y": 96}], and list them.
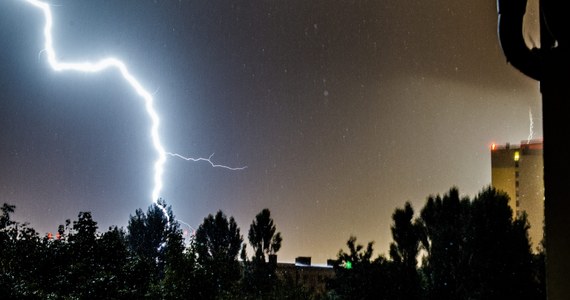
[{"x": 455, "y": 248}]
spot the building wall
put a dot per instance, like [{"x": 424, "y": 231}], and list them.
[
  {"x": 313, "y": 278},
  {"x": 531, "y": 192},
  {"x": 503, "y": 174},
  {"x": 519, "y": 171}
]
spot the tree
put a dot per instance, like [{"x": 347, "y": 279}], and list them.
[
  {"x": 113, "y": 257},
  {"x": 262, "y": 236},
  {"x": 539, "y": 273},
  {"x": 83, "y": 262},
  {"x": 217, "y": 245},
  {"x": 476, "y": 250},
  {"x": 443, "y": 221},
  {"x": 260, "y": 275},
  {"x": 404, "y": 251},
  {"x": 146, "y": 240},
  {"x": 181, "y": 280},
  {"x": 5, "y": 220},
  {"x": 358, "y": 276},
  {"x": 21, "y": 255},
  {"x": 500, "y": 260},
  {"x": 147, "y": 233}
]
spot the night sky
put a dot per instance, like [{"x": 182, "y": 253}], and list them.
[{"x": 341, "y": 110}]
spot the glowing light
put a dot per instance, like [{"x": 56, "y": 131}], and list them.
[
  {"x": 209, "y": 160},
  {"x": 113, "y": 63},
  {"x": 531, "y": 126},
  {"x": 493, "y": 146},
  {"x": 192, "y": 230},
  {"x": 517, "y": 156}
]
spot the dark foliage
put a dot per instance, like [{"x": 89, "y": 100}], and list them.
[
  {"x": 217, "y": 245},
  {"x": 470, "y": 249},
  {"x": 359, "y": 276},
  {"x": 407, "y": 235},
  {"x": 147, "y": 241},
  {"x": 474, "y": 249},
  {"x": 259, "y": 273}
]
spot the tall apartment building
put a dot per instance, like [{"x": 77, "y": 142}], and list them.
[{"x": 518, "y": 170}]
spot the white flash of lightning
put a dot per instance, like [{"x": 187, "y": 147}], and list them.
[
  {"x": 108, "y": 63},
  {"x": 208, "y": 160},
  {"x": 192, "y": 229},
  {"x": 531, "y": 126}
]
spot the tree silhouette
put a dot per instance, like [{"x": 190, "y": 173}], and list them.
[
  {"x": 83, "y": 261},
  {"x": 259, "y": 274},
  {"x": 217, "y": 245},
  {"x": 500, "y": 261},
  {"x": 262, "y": 236},
  {"x": 5, "y": 220},
  {"x": 21, "y": 253},
  {"x": 475, "y": 250},
  {"x": 358, "y": 276},
  {"x": 443, "y": 221},
  {"x": 113, "y": 255},
  {"x": 147, "y": 240},
  {"x": 404, "y": 251},
  {"x": 180, "y": 280}
]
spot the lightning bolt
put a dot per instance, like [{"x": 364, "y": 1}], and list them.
[
  {"x": 208, "y": 160},
  {"x": 192, "y": 229},
  {"x": 531, "y": 126},
  {"x": 113, "y": 63}
]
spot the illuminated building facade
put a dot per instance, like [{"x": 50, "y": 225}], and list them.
[{"x": 518, "y": 170}]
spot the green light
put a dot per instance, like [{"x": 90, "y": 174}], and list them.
[{"x": 348, "y": 265}]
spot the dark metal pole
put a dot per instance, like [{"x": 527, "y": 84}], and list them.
[{"x": 551, "y": 66}]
